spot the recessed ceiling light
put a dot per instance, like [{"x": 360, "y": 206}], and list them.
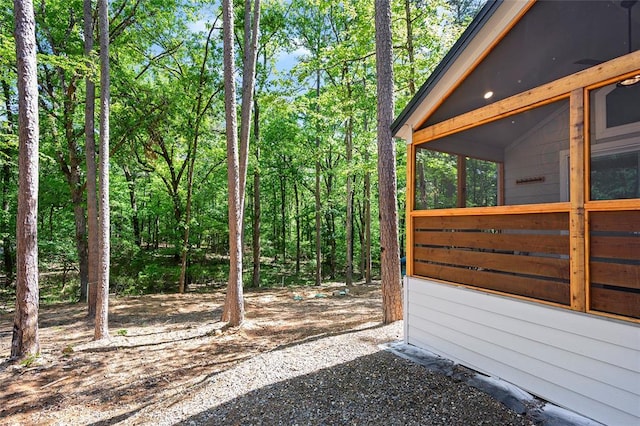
[
  {"x": 629, "y": 81},
  {"x": 488, "y": 95}
]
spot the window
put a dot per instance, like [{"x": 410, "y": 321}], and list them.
[
  {"x": 617, "y": 110},
  {"x": 615, "y": 170},
  {"x": 437, "y": 181}
]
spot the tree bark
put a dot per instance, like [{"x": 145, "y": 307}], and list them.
[
  {"x": 251, "y": 31},
  {"x": 256, "y": 200},
  {"x": 390, "y": 253},
  {"x": 283, "y": 218},
  {"x": 410, "y": 48},
  {"x": 233, "y": 311},
  {"x": 71, "y": 166},
  {"x": 102, "y": 302},
  {"x": 90, "y": 155},
  {"x": 367, "y": 225},
  {"x": 349, "y": 221},
  {"x": 317, "y": 194},
  {"x": 25, "y": 341},
  {"x": 298, "y": 249}
]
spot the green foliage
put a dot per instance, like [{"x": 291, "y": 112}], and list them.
[
  {"x": 29, "y": 360},
  {"x": 68, "y": 350},
  {"x": 308, "y": 110}
]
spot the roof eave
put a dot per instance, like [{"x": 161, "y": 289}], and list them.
[{"x": 414, "y": 113}]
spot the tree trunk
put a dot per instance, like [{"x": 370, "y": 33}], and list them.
[
  {"x": 251, "y": 31},
  {"x": 25, "y": 341},
  {"x": 90, "y": 154},
  {"x": 283, "y": 218},
  {"x": 6, "y": 180},
  {"x": 77, "y": 198},
  {"x": 237, "y": 162},
  {"x": 333, "y": 248},
  {"x": 193, "y": 149},
  {"x": 317, "y": 194},
  {"x": 390, "y": 253},
  {"x": 256, "y": 200},
  {"x": 133, "y": 202},
  {"x": 298, "y": 254},
  {"x": 102, "y": 302},
  {"x": 410, "y": 48},
  {"x": 367, "y": 225},
  {"x": 73, "y": 174},
  {"x": 349, "y": 221},
  {"x": 233, "y": 311}
]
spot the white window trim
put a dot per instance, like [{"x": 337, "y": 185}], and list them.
[
  {"x": 619, "y": 146},
  {"x": 602, "y": 131}
]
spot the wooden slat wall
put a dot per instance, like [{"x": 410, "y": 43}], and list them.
[
  {"x": 521, "y": 254},
  {"x": 614, "y": 262}
]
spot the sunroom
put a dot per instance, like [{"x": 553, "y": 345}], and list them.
[{"x": 523, "y": 236}]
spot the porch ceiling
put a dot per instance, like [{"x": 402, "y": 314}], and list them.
[
  {"x": 488, "y": 142},
  {"x": 552, "y": 40}
]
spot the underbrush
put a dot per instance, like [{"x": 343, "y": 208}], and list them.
[{"x": 136, "y": 271}]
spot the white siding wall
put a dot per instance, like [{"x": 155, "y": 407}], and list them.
[
  {"x": 586, "y": 363},
  {"x": 536, "y": 154}
]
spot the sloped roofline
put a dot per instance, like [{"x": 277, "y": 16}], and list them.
[{"x": 468, "y": 36}]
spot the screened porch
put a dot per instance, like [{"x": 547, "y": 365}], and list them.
[{"x": 536, "y": 196}]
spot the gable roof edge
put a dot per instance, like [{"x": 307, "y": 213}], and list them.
[{"x": 412, "y": 111}]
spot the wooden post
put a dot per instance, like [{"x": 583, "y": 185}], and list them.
[
  {"x": 410, "y": 206},
  {"x": 500, "y": 198},
  {"x": 462, "y": 182},
  {"x": 577, "y": 240}
]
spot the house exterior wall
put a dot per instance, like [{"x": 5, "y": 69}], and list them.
[
  {"x": 586, "y": 363},
  {"x": 536, "y": 154}
]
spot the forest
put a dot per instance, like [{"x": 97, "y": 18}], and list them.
[{"x": 311, "y": 205}]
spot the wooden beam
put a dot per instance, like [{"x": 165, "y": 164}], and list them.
[
  {"x": 410, "y": 205},
  {"x": 542, "y": 95},
  {"x": 500, "y": 210},
  {"x": 577, "y": 241},
  {"x": 500, "y": 184},
  {"x": 462, "y": 182}
]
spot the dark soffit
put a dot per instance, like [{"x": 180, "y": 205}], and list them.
[{"x": 472, "y": 30}]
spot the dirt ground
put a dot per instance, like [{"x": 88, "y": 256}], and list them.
[{"x": 160, "y": 347}]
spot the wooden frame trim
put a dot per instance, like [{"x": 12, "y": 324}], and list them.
[
  {"x": 606, "y": 205},
  {"x": 539, "y": 96},
  {"x": 577, "y": 194},
  {"x": 613, "y": 316},
  {"x": 410, "y": 206},
  {"x": 500, "y": 200},
  {"x": 461, "y": 195},
  {"x": 496, "y": 210}
]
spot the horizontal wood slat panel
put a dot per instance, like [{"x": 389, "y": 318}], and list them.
[
  {"x": 615, "y": 302},
  {"x": 617, "y": 274},
  {"x": 623, "y": 221},
  {"x": 522, "y": 286},
  {"x": 555, "y": 244},
  {"x": 615, "y": 247},
  {"x": 539, "y": 221},
  {"x": 528, "y": 265}
]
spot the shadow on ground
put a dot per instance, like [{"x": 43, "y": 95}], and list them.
[{"x": 378, "y": 389}]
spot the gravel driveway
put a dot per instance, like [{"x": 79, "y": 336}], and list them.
[{"x": 337, "y": 380}]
